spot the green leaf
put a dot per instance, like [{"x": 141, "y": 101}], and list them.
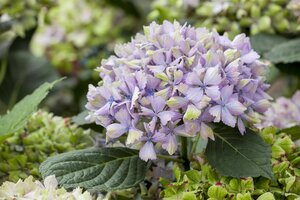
[
  {"x": 97, "y": 169},
  {"x": 239, "y": 156},
  {"x": 263, "y": 43},
  {"x": 16, "y": 118},
  {"x": 294, "y": 132},
  {"x": 266, "y": 196},
  {"x": 216, "y": 192},
  {"x": 80, "y": 118},
  {"x": 287, "y": 52}
]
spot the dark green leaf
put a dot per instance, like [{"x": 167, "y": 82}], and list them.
[
  {"x": 239, "y": 156},
  {"x": 263, "y": 43},
  {"x": 97, "y": 169},
  {"x": 287, "y": 52},
  {"x": 16, "y": 118},
  {"x": 294, "y": 132}
]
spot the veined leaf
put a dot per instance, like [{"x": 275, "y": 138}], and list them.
[
  {"x": 16, "y": 118},
  {"x": 263, "y": 43},
  {"x": 287, "y": 52},
  {"x": 239, "y": 156},
  {"x": 97, "y": 169}
]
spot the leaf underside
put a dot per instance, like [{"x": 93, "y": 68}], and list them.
[
  {"x": 97, "y": 169},
  {"x": 232, "y": 154}
]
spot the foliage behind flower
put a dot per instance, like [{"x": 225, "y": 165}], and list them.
[
  {"x": 44, "y": 135},
  {"x": 19, "y": 16},
  {"x": 203, "y": 182},
  {"x": 76, "y": 29},
  {"x": 175, "y": 80},
  {"x": 30, "y": 189},
  {"x": 232, "y": 16},
  {"x": 283, "y": 113}
]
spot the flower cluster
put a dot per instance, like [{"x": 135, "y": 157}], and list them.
[
  {"x": 30, "y": 189},
  {"x": 77, "y": 41},
  {"x": 174, "y": 80},
  {"x": 283, "y": 113}
]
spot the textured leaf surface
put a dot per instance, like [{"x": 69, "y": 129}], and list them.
[
  {"x": 263, "y": 43},
  {"x": 97, "y": 169},
  {"x": 287, "y": 52},
  {"x": 239, "y": 156},
  {"x": 17, "y": 117}
]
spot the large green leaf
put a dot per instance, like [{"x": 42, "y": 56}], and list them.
[
  {"x": 239, "y": 156},
  {"x": 16, "y": 118},
  {"x": 287, "y": 52},
  {"x": 97, "y": 169},
  {"x": 263, "y": 43}
]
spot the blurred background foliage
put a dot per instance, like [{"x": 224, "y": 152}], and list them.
[{"x": 41, "y": 40}]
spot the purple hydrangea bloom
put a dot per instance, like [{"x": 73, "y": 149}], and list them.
[
  {"x": 175, "y": 80},
  {"x": 283, "y": 113}
]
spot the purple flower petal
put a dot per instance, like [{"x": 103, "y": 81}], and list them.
[
  {"x": 212, "y": 76},
  {"x": 133, "y": 136},
  {"x": 158, "y": 103},
  {"x": 228, "y": 118},
  {"x": 194, "y": 94},
  {"x": 213, "y": 92},
  {"x": 170, "y": 144},
  {"x": 206, "y": 131},
  {"x": 226, "y": 93},
  {"x": 215, "y": 111},
  {"x": 166, "y": 116},
  {"x": 147, "y": 152},
  {"x": 116, "y": 130},
  {"x": 235, "y": 107}
]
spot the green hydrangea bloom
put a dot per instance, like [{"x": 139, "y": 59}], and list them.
[
  {"x": 77, "y": 29},
  {"x": 231, "y": 16},
  {"x": 19, "y": 16},
  {"x": 44, "y": 135},
  {"x": 30, "y": 189},
  {"x": 206, "y": 183}
]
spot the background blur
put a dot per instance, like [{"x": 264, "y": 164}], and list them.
[{"x": 41, "y": 40}]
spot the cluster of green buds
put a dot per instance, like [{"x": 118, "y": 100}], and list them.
[
  {"x": 231, "y": 16},
  {"x": 79, "y": 30},
  {"x": 44, "y": 135},
  {"x": 205, "y": 183},
  {"x": 19, "y": 16}
]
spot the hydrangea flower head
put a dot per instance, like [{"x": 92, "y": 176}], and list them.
[
  {"x": 283, "y": 113},
  {"x": 175, "y": 80}
]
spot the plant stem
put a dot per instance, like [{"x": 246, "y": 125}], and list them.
[
  {"x": 169, "y": 158},
  {"x": 184, "y": 153}
]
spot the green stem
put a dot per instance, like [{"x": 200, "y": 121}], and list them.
[
  {"x": 184, "y": 153},
  {"x": 169, "y": 158}
]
